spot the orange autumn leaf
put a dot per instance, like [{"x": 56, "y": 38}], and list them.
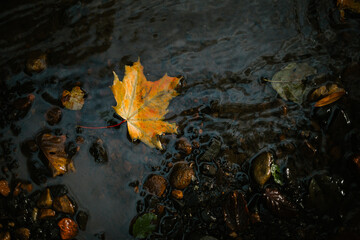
[
  {"x": 143, "y": 104},
  {"x": 330, "y": 98}
]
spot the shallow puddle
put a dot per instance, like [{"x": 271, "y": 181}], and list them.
[{"x": 226, "y": 110}]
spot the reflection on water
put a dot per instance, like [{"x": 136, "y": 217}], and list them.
[{"x": 222, "y": 48}]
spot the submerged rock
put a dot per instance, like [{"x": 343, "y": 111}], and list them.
[
  {"x": 155, "y": 184},
  {"x": 45, "y": 200},
  {"x": 212, "y": 152},
  {"x": 261, "y": 168},
  {"x": 68, "y": 228},
  {"x": 20, "y": 107},
  {"x": 98, "y": 151},
  {"x": 63, "y": 204},
  {"x": 22, "y": 234},
  {"x": 181, "y": 175},
  {"x": 53, "y": 116},
  {"x": 22, "y": 186},
  {"x": 82, "y": 219},
  {"x": 184, "y": 146},
  {"x": 4, "y": 188},
  {"x": 208, "y": 170},
  {"x": 325, "y": 194},
  {"x": 178, "y": 194},
  {"x": 5, "y": 236},
  {"x": 24, "y": 103}
]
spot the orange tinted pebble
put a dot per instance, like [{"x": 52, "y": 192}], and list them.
[{"x": 68, "y": 228}]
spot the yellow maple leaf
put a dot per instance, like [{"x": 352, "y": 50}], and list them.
[{"x": 143, "y": 104}]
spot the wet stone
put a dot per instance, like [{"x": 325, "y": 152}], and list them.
[
  {"x": 32, "y": 146},
  {"x": 46, "y": 213},
  {"x": 5, "y": 236},
  {"x": 58, "y": 190},
  {"x": 53, "y": 116},
  {"x": 184, "y": 146},
  {"x": 181, "y": 175},
  {"x": 155, "y": 184},
  {"x": 100, "y": 235},
  {"x": 45, "y": 200},
  {"x": 22, "y": 186},
  {"x": 24, "y": 103},
  {"x": 261, "y": 168},
  {"x": 63, "y": 204},
  {"x": 22, "y": 234},
  {"x": 208, "y": 216},
  {"x": 34, "y": 214},
  {"x": 82, "y": 219},
  {"x": 68, "y": 228},
  {"x": 4, "y": 188},
  {"x": 212, "y": 152},
  {"x": 208, "y": 238},
  {"x": 178, "y": 194},
  {"x": 98, "y": 151},
  {"x": 208, "y": 170}
]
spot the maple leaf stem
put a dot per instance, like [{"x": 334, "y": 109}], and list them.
[{"x": 103, "y": 127}]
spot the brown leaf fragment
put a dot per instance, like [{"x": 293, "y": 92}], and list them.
[
  {"x": 236, "y": 213},
  {"x": 73, "y": 100},
  {"x": 278, "y": 204},
  {"x": 53, "y": 148},
  {"x": 68, "y": 228},
  {"x": 330, "y": 99}
]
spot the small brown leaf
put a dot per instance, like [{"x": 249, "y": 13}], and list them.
[
  {"x": 330, "y": 99},
  {"x": 236, "y": 213},
  {"x": 73, "y": 100},
  {"x": 53, "y": 148},
  {"x": 279, "y": 204}
]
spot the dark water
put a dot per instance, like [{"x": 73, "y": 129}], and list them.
[{"x": 221, "y": 48}]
